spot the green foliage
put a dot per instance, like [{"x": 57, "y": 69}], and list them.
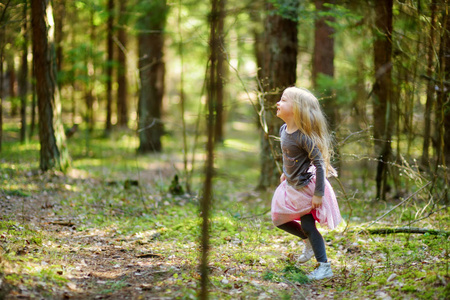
[
  {"x": 152, "y": 15},
  {"x": 339, "y": 88},
  {"x": 344, "y": 18},
  {"x": 295, "y": 274},
  {"x": 288, "y": 9}
]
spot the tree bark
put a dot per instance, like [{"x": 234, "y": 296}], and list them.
[
  {"x": 122, "y": 88},
  {"x": 2, "y": 75},
  {"x": 382, "y": 91},
  {"x": 323, "y": 60},
  {"x": 23, "y": 78},
  {"x": 151, "y": 71},
  {"x": 33, "y": 102},
  {"x": 443, "y": 91},
  {"x": 279, "y": 72},
  {"x": 53, "y": 153},
  {"x": 109, "y": 68},
  {"x": 90, "y": 73},
  {"x": 220, "y": 118},
  {"x": 60, "y": 12},
  {"x": 213, "y": 84},
  {"x": 425, "y": 159},
  {"x": 11, "y": 69}
]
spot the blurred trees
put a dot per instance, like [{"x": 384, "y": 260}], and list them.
[{"x": 380, "y": 69}]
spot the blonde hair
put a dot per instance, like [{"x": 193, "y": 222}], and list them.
[{"x": 311, "y": 121}]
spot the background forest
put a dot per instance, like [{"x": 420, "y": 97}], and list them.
[{"x": 128, "y": 129}]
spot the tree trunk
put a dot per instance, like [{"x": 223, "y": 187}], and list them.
[
  {"x": 60, "y": 12},
  {"x": 382, "y": 91},
  {"x": 425, "y": 159},
  {"x": 2, "y": 75},
  {"x": 323, "y": 60},
  {"x": 90, "y": 73},
  {"x": 33, "y": 102},
  {"x": 53, "y": 153},
  {"x": 220, "y": 119},
  {"x": 109, "y": 64},
  {"x": 122, "y": 89},
  {"x": 11, "y": 69},
  {"x": 279, "y": 72},
  {"x": 151, "y": 71},
  {"x": 443, "y": 87},
  {"x": 23, "y": 78},
  {"x": 213, "y": 84}
]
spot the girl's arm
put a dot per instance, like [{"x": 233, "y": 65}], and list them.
[
  {"x": 316, "y": 201},
  {"x": 317, "y": 160}
]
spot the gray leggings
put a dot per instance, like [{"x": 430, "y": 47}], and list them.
[{"x": 306, "y": 230}]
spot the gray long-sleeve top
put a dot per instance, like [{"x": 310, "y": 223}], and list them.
[{"x": 297, "y": 160}]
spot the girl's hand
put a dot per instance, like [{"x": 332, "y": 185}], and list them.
[
  {"x": 282, "y": 178},
  {"x": 316, "y": 202}
]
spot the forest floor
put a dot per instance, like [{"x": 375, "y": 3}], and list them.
[{"x": 114, "y": 227}]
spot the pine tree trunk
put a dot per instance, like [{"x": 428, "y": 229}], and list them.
[
  {"x": 109, "y": 69},
  {"x": 2, "y": 76},
  {"x": 60, "y": 12},
  {"x": 33, "y": 102},
  {"x": 279, "y": 72},
  {"x": 23, "y": 78},
  {"x": 323, "y": 60},
  {"x": 425, "y": 160},
  {"x": 213, "y": 84},
  {"x": 443, "y": 87},
  {"x": 382, "y": 91},
  {"x": 151, "y": 71},
  {"x": 53, "y": 153},
  {"x": 220, "y": 118},
  {"x": 11, "y": 69},
  {"x": 122, "y": 89},
  {"x": 90, "y": 73}
]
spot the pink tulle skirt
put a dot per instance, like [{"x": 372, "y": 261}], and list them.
[{"x": 289, "y": 204}]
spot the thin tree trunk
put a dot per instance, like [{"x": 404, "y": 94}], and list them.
[
  {"x": 11, "y": 69},
  {"x": 90, "y": 73},
  {"x": 382, "y": 91},
  {"x": 430, "y": 89},
  {"x": 220, "y": 118},
  {"x": 122, "y": 88},
  {"x": 2, "y": 58},
  {"x": 53, "y": 153},
  {"x": 109, "y": 69},
  {"x": 279, "y": 72},
  {"x": 213, "y": 83},
  {"x": 446, "y": 94},
  {"x": 443, "y": 105},
  {"x": 33, "y": 102},
  {"x": 2, "y": 75},
  {"x": 23, "y": 78}
]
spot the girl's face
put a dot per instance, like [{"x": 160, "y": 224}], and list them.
[{"x": 285, "y": 108}]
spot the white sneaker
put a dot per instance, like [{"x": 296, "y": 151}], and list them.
[
  {"x": 307, "y": 253},
  {"x": 321, "y": 272}
]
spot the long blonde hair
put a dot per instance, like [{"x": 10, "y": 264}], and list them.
[{"x": 311, "y": 121}]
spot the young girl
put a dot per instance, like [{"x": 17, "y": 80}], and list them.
[{"x": 304, "y": 193}]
